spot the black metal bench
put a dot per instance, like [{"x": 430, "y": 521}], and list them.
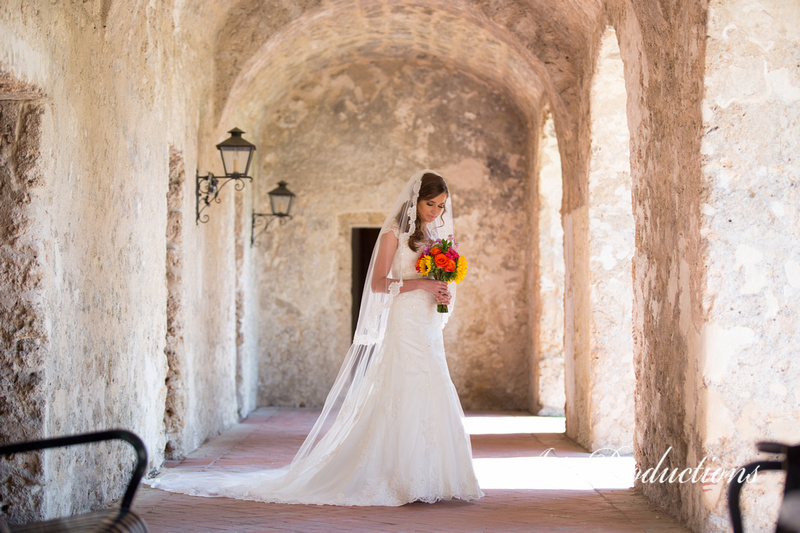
[
  {"x": 122, "y": 519},
  {"x": 789, "y": 521}
]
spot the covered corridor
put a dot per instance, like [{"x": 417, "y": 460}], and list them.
[{"x": 625, "y": 179}]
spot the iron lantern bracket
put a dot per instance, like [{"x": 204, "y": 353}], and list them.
[
  {"x": 208, "y": 187},
  {"x": 266, "y": 219}
]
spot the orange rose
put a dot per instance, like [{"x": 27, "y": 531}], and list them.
[
  {"x": 451, "y": 265},
  {"x": 436, "y": 250},
  {"x": 441, "y": 261}
]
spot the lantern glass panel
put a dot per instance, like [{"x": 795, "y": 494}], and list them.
[
  {"x": 281, "y": 203},
  {"x": 236, "y": 161}
]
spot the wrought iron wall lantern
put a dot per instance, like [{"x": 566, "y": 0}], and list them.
[
  {"x": 280, "y": 200},
  {"x": 236, "y": 155}
]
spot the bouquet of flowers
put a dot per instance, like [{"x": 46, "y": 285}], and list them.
[{"x": 441, "y": 261}]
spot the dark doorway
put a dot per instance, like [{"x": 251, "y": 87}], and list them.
[{"x": 363, "y": 242}]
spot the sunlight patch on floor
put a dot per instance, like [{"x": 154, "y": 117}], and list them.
[
  {"x": 507, "y": 425},
  {"x": 555, "y": 473}
]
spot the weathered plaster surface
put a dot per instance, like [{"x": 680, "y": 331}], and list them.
[
  {"x": 747, "y": 374},
  {"x": 97, "y": 230},
  {"x": 114, "y": 92},
  {"x": 339, "y": 33}
]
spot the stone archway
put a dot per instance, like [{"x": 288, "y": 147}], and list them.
[{"x": 376, "y": 124}]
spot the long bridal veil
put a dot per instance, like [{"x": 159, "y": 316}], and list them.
[{"x": 349, "y": 387}]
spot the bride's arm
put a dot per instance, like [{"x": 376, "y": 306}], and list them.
[{"x": 383, "y": 264}]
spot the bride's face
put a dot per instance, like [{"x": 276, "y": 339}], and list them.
[{"x": 430, "y": 209}]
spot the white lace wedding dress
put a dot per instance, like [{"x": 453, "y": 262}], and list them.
[{"x": 400, "y": 439}]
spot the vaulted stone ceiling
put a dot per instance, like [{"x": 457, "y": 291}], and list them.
[{"x": 536, "y": 51}]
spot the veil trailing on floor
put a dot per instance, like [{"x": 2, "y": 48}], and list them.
[{"x": 350, "y": 388}]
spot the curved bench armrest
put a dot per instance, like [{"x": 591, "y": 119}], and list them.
[
  {"x": 114, "y": 434},
  {"x": 735, "y": 489}
]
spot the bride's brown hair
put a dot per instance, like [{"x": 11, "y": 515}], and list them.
[{"x": 432, "y": 185}]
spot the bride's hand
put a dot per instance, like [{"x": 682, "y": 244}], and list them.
[
  {"x": 444, "y": 298},
  {"x": 439, "y": 290}
]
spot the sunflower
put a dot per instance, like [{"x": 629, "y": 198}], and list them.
[
  {"x": 461, "y": 269},
  {"x": 424, "y": 265}
]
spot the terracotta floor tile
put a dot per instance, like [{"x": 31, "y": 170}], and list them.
[{"x": 270, "y": 437}]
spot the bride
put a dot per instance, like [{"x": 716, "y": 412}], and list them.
[{"x": 391, "y": 429}]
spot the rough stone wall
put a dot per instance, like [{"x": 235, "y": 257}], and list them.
[
  {"x": 611, "y": 243},
  {"x": 121, "y": 87},
  {"x": 24, "y": 335},
  {"x": 373, "y": 125},
  {"x": 550, "y": 361},
  {"x": 747, "y": 378},
  {"x": 211, "y": 302},
  {"x": 104, "y": 238},
  {"x": 663, "y": 51},
  {"x": 174, "y": 349}
]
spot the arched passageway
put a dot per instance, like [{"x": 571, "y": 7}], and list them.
[{"x": 187, "y": 327}]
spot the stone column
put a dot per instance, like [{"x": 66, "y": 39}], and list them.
[
  {"x": 577, "y": 325},
  {"x": 611, "y": 243},
  {"x": 549, "y": 366},
  {"x": 662, "y": 51}
]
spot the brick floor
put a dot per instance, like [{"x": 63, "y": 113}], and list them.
[{"x": 535, "y": 479}]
